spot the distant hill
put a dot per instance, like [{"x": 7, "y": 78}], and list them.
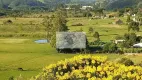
[
  {"x": 78, "y": 1},
  {"x": 19, "y": 3},
  {"x": 122, "y": 4},
  {"x": 111, "y": 4}
]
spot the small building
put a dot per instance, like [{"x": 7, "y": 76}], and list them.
[
  {"x": 118, "y": 21},
  {"x": 118, "y": 41},
  {"x": 85, "y": 7},
  {"x": 138, "y": 45}
]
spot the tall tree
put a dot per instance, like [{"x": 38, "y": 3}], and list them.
[
  {"x": 53, "y": 24},
  {"x": 139, "y": 5},
  {"x": 133, "y": 26},
  {"x": 128, "y": 19},
  {"x": 130, "y": 39}
]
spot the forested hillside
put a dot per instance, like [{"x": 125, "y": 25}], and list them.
[
  {"x": 107, "y": 4},
  {"x": 117, "y": 4},
  {"x": 30, "y": 3},
  {"x": 122, "y": 4}
]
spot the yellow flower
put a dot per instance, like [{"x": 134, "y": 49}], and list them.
[
  {"x": 88, "y": 75},
  {"x": 93, "y": 61},
  {"x": 64, "y": 67},
  {"x": 99, "y": 68}
]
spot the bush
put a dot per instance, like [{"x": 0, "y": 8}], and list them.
[
  {"x": 11, "y": 78},
  {"x": 89, "y": 67},
  {"x": 132, "y": 50},
  {"x": 78, "y": 24},
  {"x": 110, "y": 48},
  {"x": 8, "y": 22},
  {"x": 126, "y": 61},
  {"x": 98, "y": 43}
]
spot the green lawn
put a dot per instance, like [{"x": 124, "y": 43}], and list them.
[{"x": 33, "y": 57}]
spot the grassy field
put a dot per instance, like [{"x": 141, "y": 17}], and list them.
[
  {"x": 32, "y": 27},
  {"x": 24, "y": 53},
  {"x": 106, "y": 30},
  {"x": 33, "y": 57}
]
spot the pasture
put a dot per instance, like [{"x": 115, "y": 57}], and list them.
[
  {"x": 32, "y": 57},
  {"x": 33, "y": 28},
  {"x": 18, "y": 50}
]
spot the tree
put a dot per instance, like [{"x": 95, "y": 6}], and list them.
[
  {"x": 75, "y": 8},
  {"x": 101, "y": 3},
  {"x": 91, "y": 30},
  {"x": 130, "y": 39},
  {"x": 53, "y": 24},
  {"x": 133, "y": 26},
  {"x": 139, "y": 18},
  {"x": 121, "y": 12},
  {"x": 99, "y": 12},
  {"x": 128, "y": 19},
  {"x": 139, "y": 5},
  {"x": 96, "y": 35},
  {"x": 117, "y": 4},
  {"x": 110, "y": 48}
]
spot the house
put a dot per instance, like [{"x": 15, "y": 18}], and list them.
[
  {"x": 138, "y": 45},
  {"x": 118, "y": 21},
  {"x": 85, "y": 7}
]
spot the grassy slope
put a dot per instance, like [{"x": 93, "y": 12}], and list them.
[
  {"x": 107, "y": 31},
  {"x": 101, "y": 26}
]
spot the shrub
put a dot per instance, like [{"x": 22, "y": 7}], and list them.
[
  {"x": 78, "y": 24},
  {"x": 110, "y": 48},
  {"x": 11, "y": 78},
  {"x": 126, "y": 61},
  {"x": 7, "y": 22},
  {"x": 89, "y": 67},
  {"x": 132, "y": 50}
]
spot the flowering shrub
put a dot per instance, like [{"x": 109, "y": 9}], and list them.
[{"x": 89, "y": 67}]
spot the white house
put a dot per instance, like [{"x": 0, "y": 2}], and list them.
[
  {"x": 85, "y": 7},
  {"x": 138, "y": 45}
]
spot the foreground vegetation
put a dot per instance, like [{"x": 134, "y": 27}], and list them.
[{"x": 89, "y": 68}]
